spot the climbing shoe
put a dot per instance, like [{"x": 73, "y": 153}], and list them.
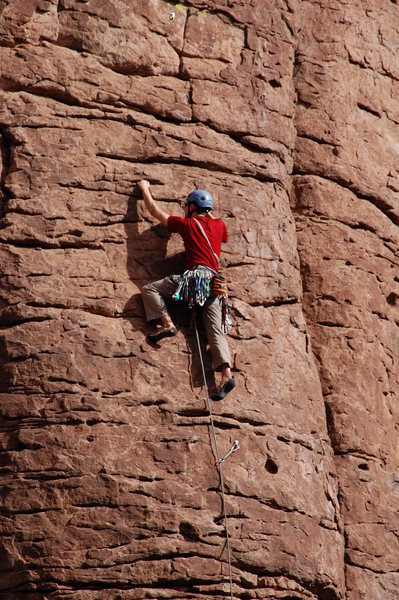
[
  {"x": 162, "y": 333},
  {"x": 222, "y": 392}
]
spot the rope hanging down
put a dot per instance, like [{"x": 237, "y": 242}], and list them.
[{"x": 219, "y": 461}]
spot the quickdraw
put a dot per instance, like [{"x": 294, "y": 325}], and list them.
[{"x": 226, "y": 320}]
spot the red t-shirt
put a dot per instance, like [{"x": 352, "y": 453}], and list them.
[{"x": 197, "y": 248}]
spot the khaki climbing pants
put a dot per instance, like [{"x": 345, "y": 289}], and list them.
[{"x": 154, "y": 295}]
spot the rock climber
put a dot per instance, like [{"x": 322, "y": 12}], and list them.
[{"x": 202, "y": 236}]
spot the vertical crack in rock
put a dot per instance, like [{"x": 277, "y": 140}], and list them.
[
  {"x": 181, "y": 70},
  {"x": 309, "y": 317},
  {"x": 5, "y": 158}
]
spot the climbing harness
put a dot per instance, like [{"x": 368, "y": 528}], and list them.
[
  {"x": 194, "y": 286},
  {"x": 219, "y": 460}
]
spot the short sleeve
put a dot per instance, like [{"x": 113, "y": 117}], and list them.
[{"x": 176, "y": 224}]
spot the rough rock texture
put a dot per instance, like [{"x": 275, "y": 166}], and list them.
[
  {"x": 288, "y": 112},
  {"x": 347, "y": 213}
]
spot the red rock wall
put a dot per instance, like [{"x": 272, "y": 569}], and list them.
[
  {"x": 347, "y": 213},
  {"x": 287, "y": 112}
]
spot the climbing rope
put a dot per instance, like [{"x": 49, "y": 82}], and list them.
[{"x": 219, "y": 460}]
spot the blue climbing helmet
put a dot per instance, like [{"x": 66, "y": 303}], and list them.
[{"x": 201, "y": 198}]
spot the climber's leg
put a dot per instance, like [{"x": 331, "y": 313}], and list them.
[
  {"x": 153, "y": 295},
  {"x": 221, "y": 360}
]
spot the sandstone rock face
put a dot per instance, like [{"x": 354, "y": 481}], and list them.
[{"x": 288, "y": 112}]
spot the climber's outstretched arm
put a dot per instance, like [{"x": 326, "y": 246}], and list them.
[{"x": 150, "y": 203}]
